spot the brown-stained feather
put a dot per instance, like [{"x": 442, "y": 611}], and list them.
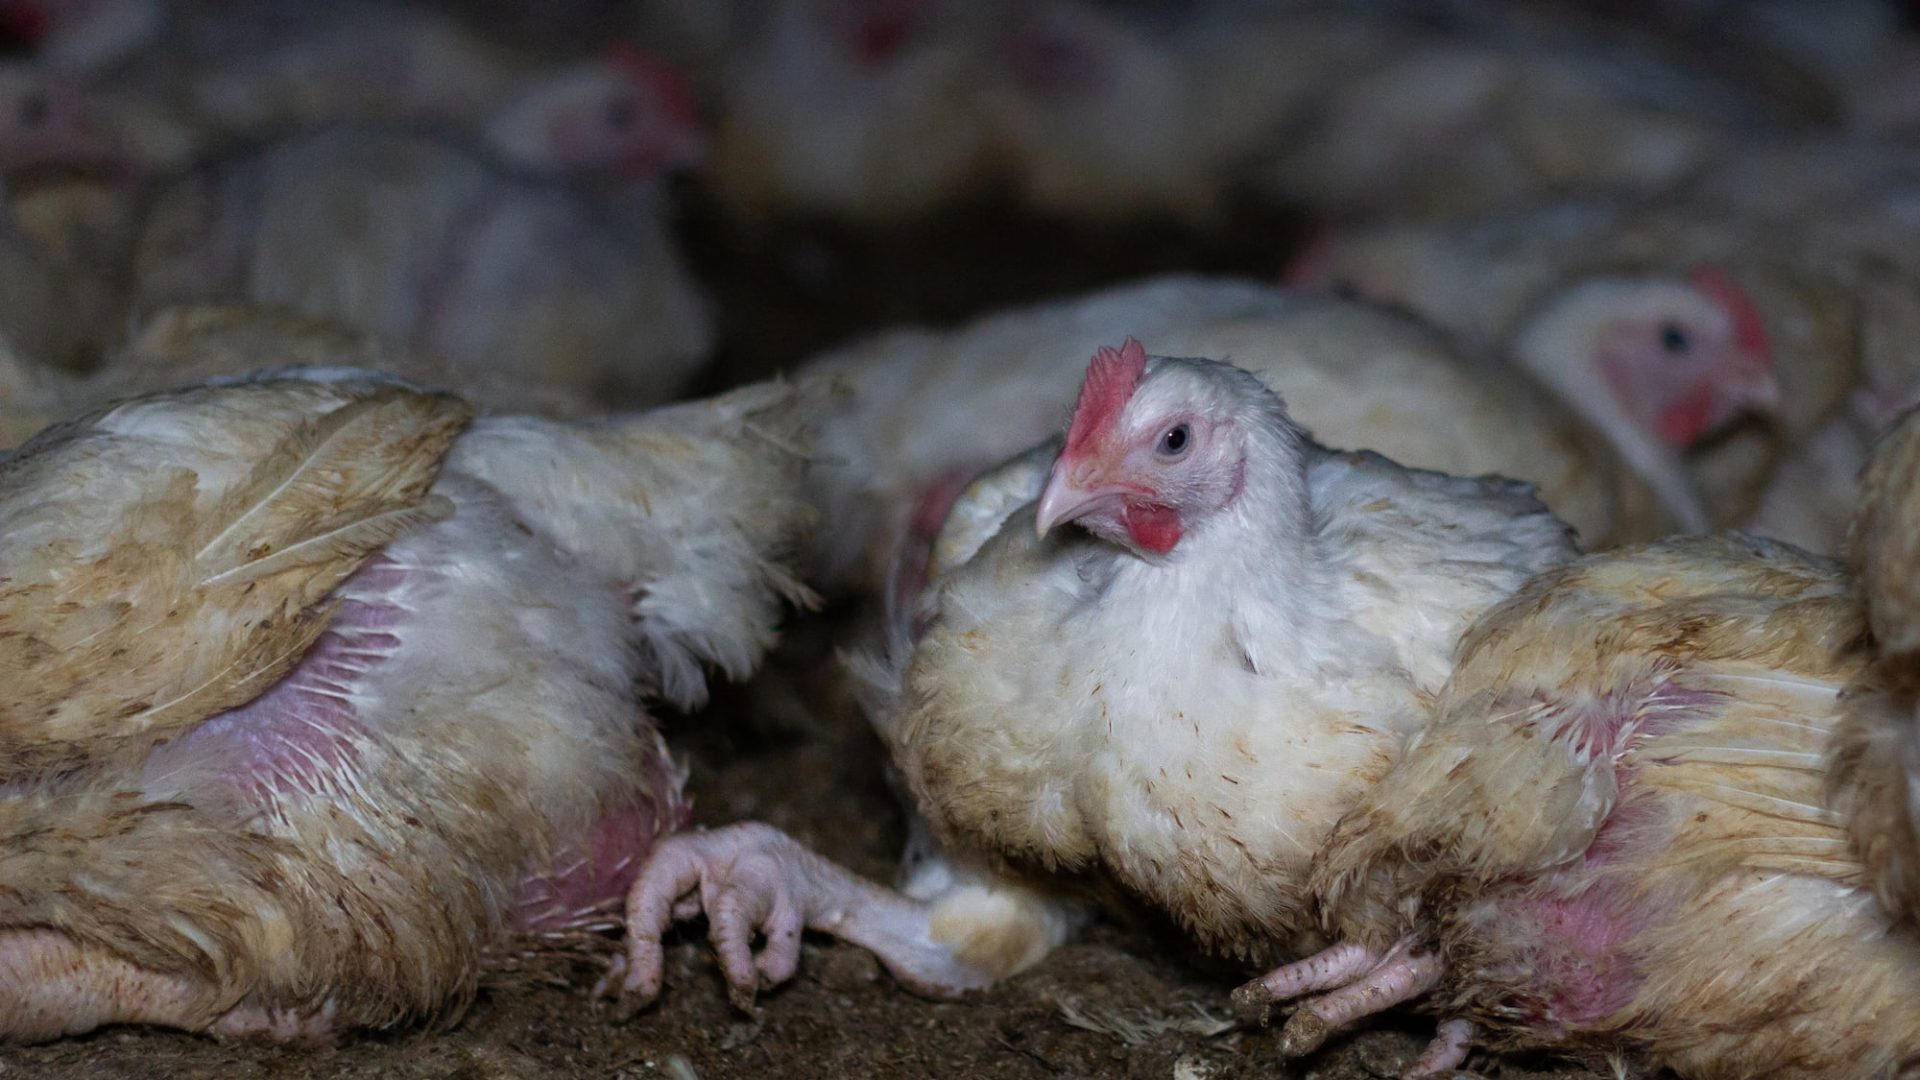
[{"x": 129, "y": 620}]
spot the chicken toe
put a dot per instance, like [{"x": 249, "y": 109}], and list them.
[
  {"x": 1358, "y": 989},
  {"x": 1445, "y": 1054},
  {"x": 754, "y": 882},
  {"x": 1325, "y": 970}
]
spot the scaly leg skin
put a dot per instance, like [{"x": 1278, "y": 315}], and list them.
[
  {"x": 1351, "y": 982},
  {"x": 752, "y": 878},
  {"x": 1445, "y": 1054}
]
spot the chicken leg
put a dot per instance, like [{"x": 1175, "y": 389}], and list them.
[
  {"x": 1350, "y": 982},
  {"x": 751, "y": 879}
]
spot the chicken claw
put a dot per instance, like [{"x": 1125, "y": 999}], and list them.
[
  {"x": 754, "y": 880},
  {"x": 1350, "y": 982}
]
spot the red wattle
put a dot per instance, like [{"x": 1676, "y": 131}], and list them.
[
  {"x": 1688, "y": 418},
  {"x": 1153, "y": 527}
]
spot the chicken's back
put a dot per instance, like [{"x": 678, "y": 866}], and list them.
[{"x": 1614, "y": 830}]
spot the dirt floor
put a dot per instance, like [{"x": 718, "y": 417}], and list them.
[{"x": 1122, "y": 1003}]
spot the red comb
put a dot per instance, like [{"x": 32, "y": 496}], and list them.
[
  {"x": 676, "y": 97},
  {"x": 24, "y": 21},
  {"x": 1112, "y": 377},
  {"x": 1749, "y": 329}
]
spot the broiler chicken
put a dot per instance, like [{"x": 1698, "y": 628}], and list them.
[
  {"x": 180, "y": 347},
  {"x": 1876, "y": 751},
  {"x": 240, "y": 74},
  {"x": 432, "y": 249},
  {"x": 52, "y": 309},
  {"x": 1666, "y": 328},
  {"x": 323, "y": 699},
  {"x": 1190, "y": 637},
  {"x": 862, "y": 110},
  {"x": 83, "y": 35},
  {"x": 1448, "y": 124},
  {"x": 946, "y": 405},
  {"x": 1611, "y": 838}
]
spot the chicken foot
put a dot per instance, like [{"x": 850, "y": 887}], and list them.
[
  {"x": 751, "y": 879},
  {"x": 1348, "y": 982}
]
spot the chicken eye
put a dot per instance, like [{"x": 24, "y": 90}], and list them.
[
  {"x": 1173, "y": 442},
  {"x": 1673, "y": 339}
]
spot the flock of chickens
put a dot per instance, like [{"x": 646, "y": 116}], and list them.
[{"x": 348, "y": 534}]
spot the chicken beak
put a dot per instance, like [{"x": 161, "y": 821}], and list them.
[{"x": 1070, "y": 495}]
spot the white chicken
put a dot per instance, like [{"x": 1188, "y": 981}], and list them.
[
  {"x": 341, "y": 702},
  {"x": 1182, "y": 692},
  {"x": 433, "y": 249},
  {"x": 948, "y": 404},
  {"x": 1445, "y": 124},
  {"x": 239, "y": 74},
  {"x": 862, "y": 110},
  {"x": 1664, "y": 327}
]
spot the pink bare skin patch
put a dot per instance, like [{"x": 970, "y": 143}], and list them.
[
  {"x": 1578, "y": 970},
  {"x": 1578, "y": 924},
  {"x": 1606, "y": 727},
  {"x": 301, "y": 737},
  {"x": 1572, "y": 926},
  {"x": 584, "y": 886}
]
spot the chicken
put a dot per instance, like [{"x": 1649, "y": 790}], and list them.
[
  {"x": 83, "y": 35},
  {"x": 1876, "y": 750},
  {"x": 340, "y": 705},
  {"x": 1448, "y": 125},
  {"x": 1100, "y": 118},
  {"x": 1181, "y": 692},
  {"x": 1611, "y": 836},
  {"x": 946, "y": 405},
  {"x": 1112, "y": 113},
  {"x": 861, "y": 110},
  {"x": 45, "y": 305},
  {"x": 241, "y": 74},
  {"x": 1662, "y": 329},
  {"x": 431, "y": 249},
  {"x": 179, "y": 347}
]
